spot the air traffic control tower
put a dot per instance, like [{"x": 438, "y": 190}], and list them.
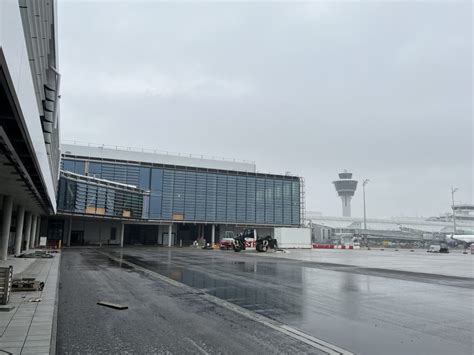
[{"x": 345, "y": 188}]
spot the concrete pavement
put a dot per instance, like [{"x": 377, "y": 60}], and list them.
[
  {"x": 161, "y": 318},
  {"x": 389, "y": 312},
  {"x": 30, "y": 327},
  {"x": 453, "y": 264}
]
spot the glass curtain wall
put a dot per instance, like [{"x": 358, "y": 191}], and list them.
[
  {"x": 194, "y": 195},
  {"x": 86, "y": 197}
]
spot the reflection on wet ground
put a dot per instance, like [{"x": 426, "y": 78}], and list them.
[{"x": 370, "y": 313}]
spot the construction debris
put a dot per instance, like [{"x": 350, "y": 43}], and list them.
[
  {"x": 37, "y": 254},
  {"x": 27, "y": 284},
  {"x": 112, "y": 305}
]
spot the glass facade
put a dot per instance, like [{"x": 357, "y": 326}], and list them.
[
  {"x": 205, "y": 196},
  {"x": 89, "y": 196}
]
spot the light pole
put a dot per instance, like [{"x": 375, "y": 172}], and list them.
[
  {"x": 453, "y": 190},
  {"x": 364, "y": 182}
]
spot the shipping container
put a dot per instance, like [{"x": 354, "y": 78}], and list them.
[{"x": 297, "y": 238}]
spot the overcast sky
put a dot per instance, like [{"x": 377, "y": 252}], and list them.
[{"x": 381, "y": 89}]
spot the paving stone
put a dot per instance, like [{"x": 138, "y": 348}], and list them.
[
  {"x": 35, "y": 349},
  {"x": 11, "y": 344},
  {"x": 37, "y": 343},
  {"x": 17, "y": 339},
  {"x": 14, "y": 351},
  {"x": 40, "y": 331},
  {"x": 38, "y": 337},
  {"x": 29, "y": 325}
]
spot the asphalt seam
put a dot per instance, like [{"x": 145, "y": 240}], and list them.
[{"x": 280, "y": 327}]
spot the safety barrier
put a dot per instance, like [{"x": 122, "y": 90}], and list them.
[{"x": 330, "y": 246}]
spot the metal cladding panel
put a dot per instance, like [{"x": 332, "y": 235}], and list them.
[
  {"x": 146, "y": 157},
  {"x": 15, "y": 51}
]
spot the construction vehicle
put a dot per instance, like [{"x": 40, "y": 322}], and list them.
[
  {"x": 265, "y": 243},
  {"x": 262, "y": 244},
  {"x": 239, "y": 239}
]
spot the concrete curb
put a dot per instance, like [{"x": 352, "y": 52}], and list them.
[{"x": 54, "y": 327}]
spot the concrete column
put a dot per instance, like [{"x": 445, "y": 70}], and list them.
[
  {"x": 38, "y": 225},
  {"x": 20, "y": 218},
  {"x": 158, "y": 236},
  {"x": 213, "y": 234},
  {"x": 121, "y": 233},
  {"x": 34, "y": 220},
  {"x": 69, "y": 231},
  {"x": 27, "y": 230},
  {"x": 170, "y": 234},
  {"x": 6, "y": 223}
]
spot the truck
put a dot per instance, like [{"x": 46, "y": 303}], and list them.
[{"x": 438, "y": 248}]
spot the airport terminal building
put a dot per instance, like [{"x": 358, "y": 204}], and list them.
[
  {"x": 94, "y": 195},
  {"x": 109, "y": 195}
]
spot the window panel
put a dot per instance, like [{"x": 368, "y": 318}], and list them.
[
  {"x": 287, "y": 206},
  {"x": 269, "y": 208},
  {"x": 201, "y": 196},
  {"x": 157, "y": 179},
  {"x": 211, "y": 197},
  {"x": 251, "y": 195},
  {"x": 144, "y": 182},
  {"x": 190, "y": 196},
  {"x": 178, "y": 196},
  {"x": 295, "y": 200},
  {"x": 241, "y": 198},
  {"x": 68, "y": 165},
  {"x": 108, "y": 172},
  {"x": 95, "y": 169},
  {"x": 231, "y": 198},
  {"x": 278, "y": 201},
  {"x": 260, "y": 200},
  {"x": 133, "y": 175},
  {"x": 221, "y": 198},
  {"x": 120, "y": 174},
  {"x": 155, "y": 206},
  {"x": 79, "y": 167},
  {"x": 167, "y": 200}
]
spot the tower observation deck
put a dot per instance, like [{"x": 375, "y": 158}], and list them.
[{"x": 345, "y": 188}]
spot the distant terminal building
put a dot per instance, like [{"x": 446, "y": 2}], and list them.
[
  {"x": 462, "y": 212},
  {"x": 345, "y": 188},
  {"x": 327, "y": 229}
]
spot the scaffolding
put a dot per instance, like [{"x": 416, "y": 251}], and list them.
[{"x": 302, "y": 202}]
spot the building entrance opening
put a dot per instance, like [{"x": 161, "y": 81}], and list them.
[
  {"x": 77, "y": 237},
  {"x": 140, "y": 234}
]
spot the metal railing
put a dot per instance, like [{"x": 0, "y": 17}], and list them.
[{"x": 156, "y": 151}]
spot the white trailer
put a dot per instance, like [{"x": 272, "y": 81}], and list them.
[{"x": 296, "y": 238}]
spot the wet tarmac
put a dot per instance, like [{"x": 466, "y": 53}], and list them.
[{"x": 364, "y": 310}]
